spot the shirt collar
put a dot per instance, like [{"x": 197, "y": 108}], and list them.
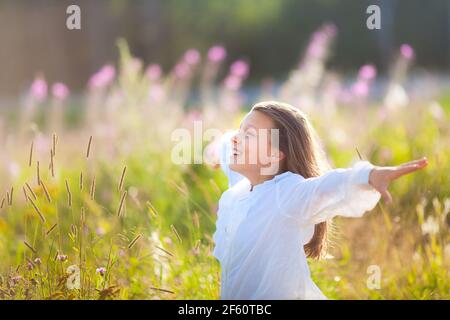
[{"x": 270, "y": 181}]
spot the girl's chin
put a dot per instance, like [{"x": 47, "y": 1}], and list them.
[{"x": 237, "y": 167}]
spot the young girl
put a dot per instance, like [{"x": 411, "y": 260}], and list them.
[{"x": 269, "y": 223}]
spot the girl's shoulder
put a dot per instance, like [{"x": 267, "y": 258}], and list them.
[{"x": 288, "y": 184}]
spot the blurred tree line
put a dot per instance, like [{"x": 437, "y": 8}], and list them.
[{"x": 271, "y": 34}]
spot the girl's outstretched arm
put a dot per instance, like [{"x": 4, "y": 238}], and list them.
[{"x": 347, "y": 192}]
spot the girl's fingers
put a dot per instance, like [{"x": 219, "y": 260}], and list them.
[
  {"x": 409, "y": 167},
  {"x": 419, "y": 161}
]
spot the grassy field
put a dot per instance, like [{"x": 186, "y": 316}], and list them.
[{"x": 93, "y": 207}]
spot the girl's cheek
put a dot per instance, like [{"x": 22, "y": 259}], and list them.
[{"x": 251, "y": 152}]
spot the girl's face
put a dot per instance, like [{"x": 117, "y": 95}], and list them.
[{"x": 254, "y": 150}]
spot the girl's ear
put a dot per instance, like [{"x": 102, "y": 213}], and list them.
[
  {"x": 278, "y": 157},
  {"x": 282, "y": 155}
]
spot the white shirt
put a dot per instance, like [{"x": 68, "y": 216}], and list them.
[{"x": 260, "y": 234}]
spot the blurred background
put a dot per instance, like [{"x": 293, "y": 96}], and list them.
[{"x": 270, "y": 34}]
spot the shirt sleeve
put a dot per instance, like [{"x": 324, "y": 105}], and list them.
[
  {"x": 225, "y": 153},
  {"x": 344, "y": 192}
]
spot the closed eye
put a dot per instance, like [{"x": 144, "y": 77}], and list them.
[{"x": 249, "y": 134}]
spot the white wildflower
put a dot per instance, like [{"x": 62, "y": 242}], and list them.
[{"x": 430, "y": 226}]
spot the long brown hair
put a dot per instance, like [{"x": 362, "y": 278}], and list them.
[{"x": 304, "y": 155}]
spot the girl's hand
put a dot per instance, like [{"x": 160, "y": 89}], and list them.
[{"x": 380, "y": 177}]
